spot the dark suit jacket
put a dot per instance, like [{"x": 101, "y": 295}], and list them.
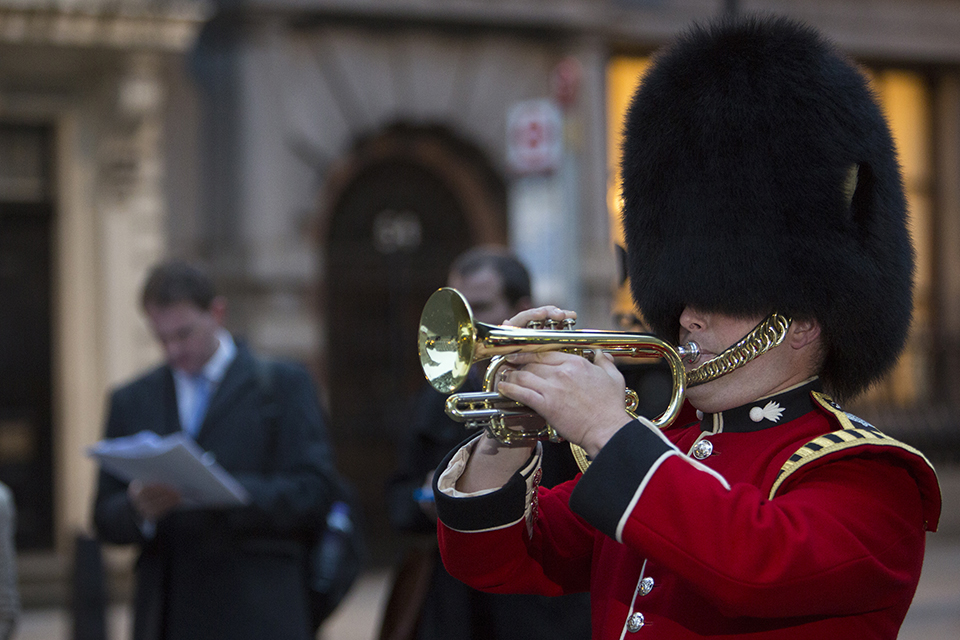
[{"x": 234, "y": 573}]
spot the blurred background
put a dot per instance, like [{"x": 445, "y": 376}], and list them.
[{"x": 326, "y": 160}]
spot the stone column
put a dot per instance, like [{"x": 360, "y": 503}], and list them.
[{"x": 132, "y": 209}]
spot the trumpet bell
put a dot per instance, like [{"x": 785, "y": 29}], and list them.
[{"x": 447, "y": 340}]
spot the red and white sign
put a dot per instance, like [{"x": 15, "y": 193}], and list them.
[{"x": 534, "y": 137}]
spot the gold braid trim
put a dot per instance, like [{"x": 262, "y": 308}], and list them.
[{"x": 845, "y": 438}]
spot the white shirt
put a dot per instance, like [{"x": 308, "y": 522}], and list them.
[
  {"x": 186, "y": 393},
  {"x": 213, "y": 371}
]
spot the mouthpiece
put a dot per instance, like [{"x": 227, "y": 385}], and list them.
[{"x": 690, "y": 352}]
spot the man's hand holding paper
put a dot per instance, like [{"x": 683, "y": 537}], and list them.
[
  {"x": 153, "y": 500},
  {"x": 168, "y": 472}
]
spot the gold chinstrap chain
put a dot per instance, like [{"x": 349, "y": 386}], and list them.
[{"x": 765, "y": 336}]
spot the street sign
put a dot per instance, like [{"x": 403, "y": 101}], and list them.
[{"x": 534, "y": 137}]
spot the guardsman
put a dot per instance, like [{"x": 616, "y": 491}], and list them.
[{"x": 765, "y": 220}]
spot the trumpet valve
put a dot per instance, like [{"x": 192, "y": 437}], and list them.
[{"x": 550, "y": 323}]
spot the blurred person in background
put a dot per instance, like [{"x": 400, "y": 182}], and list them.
[
  {"x": 427, "y": 603},
  {"x": 228, "y": 573}
]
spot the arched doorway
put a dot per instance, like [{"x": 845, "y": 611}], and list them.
[{"x": 404, "y": 204}]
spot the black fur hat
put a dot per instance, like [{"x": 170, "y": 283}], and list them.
[{"x": 759, "y": 175}]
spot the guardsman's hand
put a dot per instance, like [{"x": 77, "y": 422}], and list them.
[
  {"x": 492, "y": 463},
  {"x": 583, "y": 401}
]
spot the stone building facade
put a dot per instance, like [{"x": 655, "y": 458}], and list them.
[{"x": 326, "y": 159}]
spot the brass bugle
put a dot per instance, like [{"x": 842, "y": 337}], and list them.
[{"x": 451, "y": 341}]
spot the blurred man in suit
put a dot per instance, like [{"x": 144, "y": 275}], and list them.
[{"x": 227, "y": 573}]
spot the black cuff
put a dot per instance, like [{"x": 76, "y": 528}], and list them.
[
  {"x": 609, "y": 486},
  {"x": 491, "y": 510}
]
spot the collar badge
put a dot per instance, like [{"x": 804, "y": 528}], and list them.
[{"x": 772, "y": 412}]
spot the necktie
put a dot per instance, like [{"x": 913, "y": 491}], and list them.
[{"x": 201, "y": 395}]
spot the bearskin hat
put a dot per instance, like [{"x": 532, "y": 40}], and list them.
[{"x": 759, "y": 175}]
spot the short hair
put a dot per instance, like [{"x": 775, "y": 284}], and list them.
[
  {"x": 513, "y": 274},
  {"x": 175, "y": 281}
]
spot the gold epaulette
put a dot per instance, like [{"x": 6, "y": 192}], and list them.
[{"x": 846, "y": 437}]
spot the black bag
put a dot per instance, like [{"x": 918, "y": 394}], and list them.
[
  {"x": 338, "y": 552},
  {"x": 337, "y": 556}
]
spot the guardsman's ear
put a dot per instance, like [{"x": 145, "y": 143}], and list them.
[{"x": 803, "y": 332}]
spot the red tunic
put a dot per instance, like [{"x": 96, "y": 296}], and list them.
[{"x": 674, "y": 547}]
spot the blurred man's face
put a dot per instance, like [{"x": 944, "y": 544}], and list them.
[
  {"x": 187, "y": 333},
  {"x": 483, "y": 289}
]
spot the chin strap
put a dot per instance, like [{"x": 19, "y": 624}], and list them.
[{"x": 765, "y": 336}]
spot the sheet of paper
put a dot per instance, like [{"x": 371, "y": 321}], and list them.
[{"x": 174, "y": 459}]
